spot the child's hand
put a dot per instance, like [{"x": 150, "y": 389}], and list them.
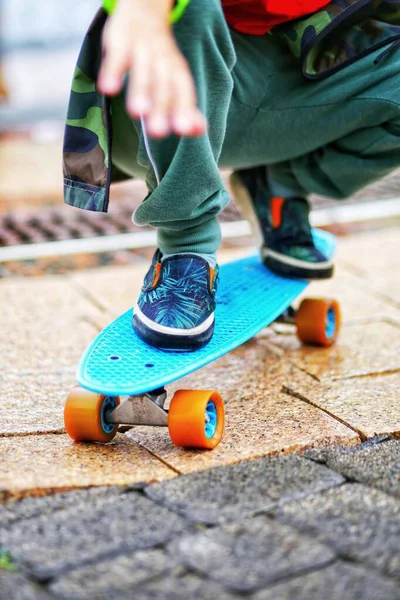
[{"x": 138, "y": 39}]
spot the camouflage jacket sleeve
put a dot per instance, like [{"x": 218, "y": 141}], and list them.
[
  {"x": 340, "y": 33},
  {"x": 87, "y": 163}
]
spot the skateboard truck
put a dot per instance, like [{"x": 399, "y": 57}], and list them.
[
  {"x": 145, "y": 409},
  {"x": 288, "y": 317},
  {"x": 195, "y": 418}
]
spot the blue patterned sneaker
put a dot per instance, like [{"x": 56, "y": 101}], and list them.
[
  {"x": 281, "y": 226},
  {"x": 175, "y": 309}
]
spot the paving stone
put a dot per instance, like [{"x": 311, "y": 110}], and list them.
[
  {"x": 115, "y": 288},
  {"x": 369, "y": 404},
  {"x": 89, "y": 532},
  {"x": 230, "y": 493},
  {"x": 362, "y": 524},
  {"x": 358, "y": 299},
  {"x": 387, "y": 282},
  {"x": 182, "y": 588},
  {"x": 33, "y": 402},
  {"x": 118, "y": 577},
  {"x": 344, "y": 582},
  {"x": 42, "y": 464},
  {"x": 376, "y": 465},
  {"x": 44, "y": 323},
  {"x": 27, "y": 508},
  {"x": 356, "y": 250},
  {"x": 260, "y": 420},
  {"x": 320, "y": 455},
  {"x": 361, "y": 349},
  {"x": 14, "y": 586},
  {"x": 250, "y": 555}
]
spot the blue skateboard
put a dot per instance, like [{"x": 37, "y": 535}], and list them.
[{"x": 117, "y": 363}]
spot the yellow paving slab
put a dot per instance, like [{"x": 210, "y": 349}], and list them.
[
  {"x": 387, "y": 282},
  {"x": 33, "y": 402},
  {"x": 371, "y": 250},
  {"x": 115, "y": 289},
  {"x": 45, "y": 327},
  {"x": 375, "y": 257},
  {"x": 358, "y": 299},
  {"x": 361, "y": 349},
  {"x": 45, "y": 323},
  {"x": 260, "y": 419},
  {"x": 41, "y": 464},
  {"x": 369, "y": 404}
]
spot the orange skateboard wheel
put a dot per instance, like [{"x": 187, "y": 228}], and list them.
[
  {"x": 196, "y": 419},
  {"x": 318, "y": 321},
  {"x": 85, "y": 416}
]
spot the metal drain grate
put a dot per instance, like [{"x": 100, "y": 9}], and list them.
[{"x": 64, "y": 223}]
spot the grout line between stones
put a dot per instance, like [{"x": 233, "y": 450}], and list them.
[
  {"x": 303, "y": 370},
  {"x": 27, "y": 433},
  {"x": 290, "y": 392},
  {"x": 162, "y": 460},
  {"x": 366, "y": 375},
  {"x": 366, "y": 282},
  {"x": 92, "y": 323},
  {"x": 83, "y": 291}
]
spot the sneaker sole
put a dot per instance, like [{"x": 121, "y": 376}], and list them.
[
  {"x": 167, "y": 338},
  {"x": 292, "y": 267},
  {"x": 168, "y": 342}
]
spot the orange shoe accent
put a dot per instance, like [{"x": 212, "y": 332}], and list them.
[
  {"x": 276, "y": 211},
  {"x": 157, "y": 271},
  {"x": 311, "y": 321},
  {"x": 186, "y": 418},
  {"x": 82, "y": 416},
  {"x": 212, "y": 277}
]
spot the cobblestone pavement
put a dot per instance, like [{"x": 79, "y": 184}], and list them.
[{"x": 325, "y": 525}]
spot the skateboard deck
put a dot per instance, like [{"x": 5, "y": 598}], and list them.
[{"x": 249, "y": 298}]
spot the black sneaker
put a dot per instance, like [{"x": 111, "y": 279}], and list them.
[
  {"x": 281, "y": 226},
  {"x": 175, "y": 309}
]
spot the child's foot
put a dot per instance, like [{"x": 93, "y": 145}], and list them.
[
  {"x": 175, "y": 309},
  {"x": 282, "y": 226}
]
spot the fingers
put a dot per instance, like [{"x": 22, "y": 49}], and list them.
[
  {"x": 159, "y": 122},
  {"x": 114, "y": 64},
  {"x": 187, "y": 120},
  {"x": 162, "y": 90},
  {"x": 161, "y": 87},
  {"x": 138, "y": 97}
]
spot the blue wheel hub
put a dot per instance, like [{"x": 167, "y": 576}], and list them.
[
  {"x": 109, "y": 403},
  {"x": 211, "y": 419},
  {"x": 330, "y": 326}
]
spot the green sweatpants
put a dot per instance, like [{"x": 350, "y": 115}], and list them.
[{"x": 330, "y": 137}]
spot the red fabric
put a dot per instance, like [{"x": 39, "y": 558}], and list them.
[{"x": 257, "y": 17}]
